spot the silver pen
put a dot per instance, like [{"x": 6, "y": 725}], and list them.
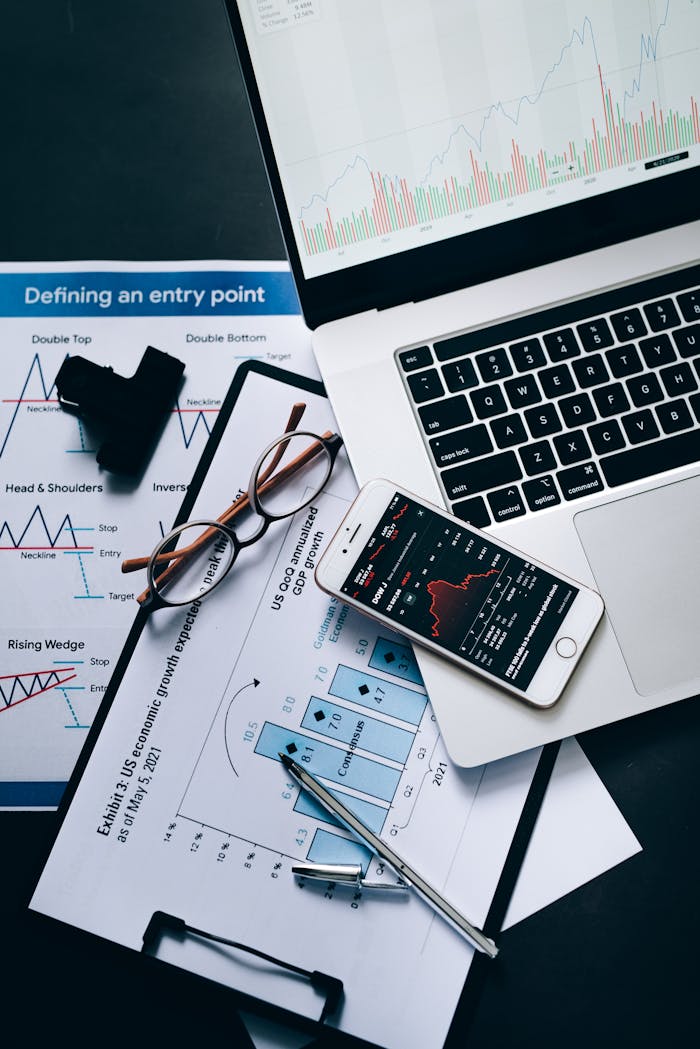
[
  {"x": 345, "y": 874},
  {"x": 349, "y": 820}
]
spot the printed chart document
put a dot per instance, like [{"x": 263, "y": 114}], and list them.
[
  {"x": 65, "y": 523},
  {"x": 184, "y": 806}
]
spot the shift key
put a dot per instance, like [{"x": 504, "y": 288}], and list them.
[{"x": 471, "y": 478}]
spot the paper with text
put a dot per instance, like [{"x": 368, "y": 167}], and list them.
[
  {"x": 184, "y": 806},
  {"x": 66, "y": 524}
]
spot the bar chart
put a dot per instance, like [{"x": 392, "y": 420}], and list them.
[
  {"x": 457, "y": 116},
  {"x": 369, "y": 739}
]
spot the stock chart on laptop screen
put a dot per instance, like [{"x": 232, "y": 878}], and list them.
[{"x": 397, "y": 123}]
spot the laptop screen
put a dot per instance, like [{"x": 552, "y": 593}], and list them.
[{"x": 398, "y": 123}]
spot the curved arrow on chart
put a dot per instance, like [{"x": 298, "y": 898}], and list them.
[{"x": 255, "y": 684}]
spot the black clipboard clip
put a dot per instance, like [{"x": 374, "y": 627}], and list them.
[
  {"x": 128, "y": 412},
  {"x": 161, "y": 923}
]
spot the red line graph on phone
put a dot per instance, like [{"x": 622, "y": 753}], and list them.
[{"x": 449, "y": 597}]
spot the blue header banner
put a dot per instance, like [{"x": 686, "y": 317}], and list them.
[{"x": 188, "y": 293}]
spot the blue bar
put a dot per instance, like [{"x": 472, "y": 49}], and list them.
[
  {"x": 377, "y": 694},
  {"x": 187, "y": 293},
  {"x": 307, "y": 805},
  {"x": 38, "y": 795},
  {"x": 396, "y": 659},
  {"x": 343, "y": 767},
  {"x": 330, "y": 848},
  {"x": 372, "y": 816},
  {"x": 341, "y": 725}
]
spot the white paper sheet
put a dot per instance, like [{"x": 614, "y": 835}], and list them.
[
  {"x": 184, "y": 806},
  {"x": 65, "y": 523},
  {"x": 580, "y": 832}
]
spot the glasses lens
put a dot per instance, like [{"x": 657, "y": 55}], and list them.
[
  {"x": 294, "y": 471},
  {"x": 190, "y": 562}
]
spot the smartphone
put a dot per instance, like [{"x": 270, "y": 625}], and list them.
[{"x": 457, "y": 590}]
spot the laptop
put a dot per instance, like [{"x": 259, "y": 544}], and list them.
[{"x": 492, "y": 215}]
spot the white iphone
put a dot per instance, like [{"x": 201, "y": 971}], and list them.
[{"x": 460, "y": 592}]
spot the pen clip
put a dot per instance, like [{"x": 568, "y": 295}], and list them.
[{"x": 345, "y": 874}]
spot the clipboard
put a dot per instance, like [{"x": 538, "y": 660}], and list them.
[{"x": 330, "y": 989}]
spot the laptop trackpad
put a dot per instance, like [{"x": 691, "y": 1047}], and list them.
[{"x": 643, "y": 551}]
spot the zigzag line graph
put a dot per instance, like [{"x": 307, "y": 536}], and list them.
[
  {"x": 35, "y": 382},
  {"x": 65, "y": 531},
  {"x": 35, "y": 367},
  {"x": 18, "y": 688},
  {"x": 35, "y": 373},
  {"x": 36, "y": 536},
  {"x": 200, "y": 422}
]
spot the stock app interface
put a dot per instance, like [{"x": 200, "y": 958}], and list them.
[{"x": 436, "y": 577}]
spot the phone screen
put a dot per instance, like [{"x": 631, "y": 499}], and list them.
[{"x": 463, "y": 592}]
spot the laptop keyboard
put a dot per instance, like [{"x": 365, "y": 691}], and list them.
[{"x": 564, "y": 403}]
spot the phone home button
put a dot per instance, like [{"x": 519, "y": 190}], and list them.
[{"x": 566, "y": 647}]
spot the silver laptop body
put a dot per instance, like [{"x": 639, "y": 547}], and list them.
[{"x": 569, "y": 151}]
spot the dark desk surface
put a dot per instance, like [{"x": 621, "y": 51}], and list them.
[{"x": 126, "y": 136}]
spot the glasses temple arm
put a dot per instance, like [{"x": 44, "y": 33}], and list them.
[
  {"x": 178, "y": 559},
  {"x": 293, "y": 421},
  {"x": 135, "y": 564}
]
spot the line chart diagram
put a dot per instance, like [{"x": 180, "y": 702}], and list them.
[
  {"x": 18, "y": 688},
  {"x": 59, "y": 680},
  {"x": 67, "y": 523},
  {"x": 192, "y": 420},
  {"x": 465, "y": 110},
  {"x": 37, "y": 396},
  {"x": 449, "y": 599},
  {"x": 36, "y": 534},
  {"x": 38, "y": 540},
  {"x": 35, "y": 377}
]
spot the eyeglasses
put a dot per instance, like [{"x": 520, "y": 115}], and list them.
[{"x": 192, "y": 560}]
